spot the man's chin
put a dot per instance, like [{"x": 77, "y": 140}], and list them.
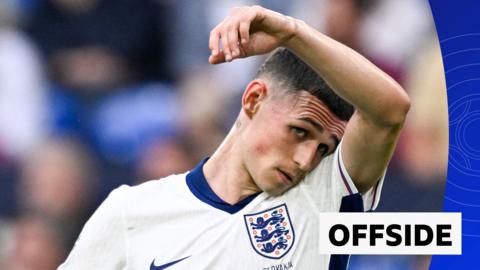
[{"x": 276, "y": 191}]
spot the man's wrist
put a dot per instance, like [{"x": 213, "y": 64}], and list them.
[{"x": 296, "y": 28}]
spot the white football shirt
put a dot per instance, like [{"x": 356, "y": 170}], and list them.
[{"x": 179, "y": 223}]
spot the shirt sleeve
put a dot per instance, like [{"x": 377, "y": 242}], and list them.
[
  {"x": 329, "y": 183},
  {"x": 102, "y": 242}
]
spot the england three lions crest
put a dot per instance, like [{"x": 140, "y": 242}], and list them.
[{"x": 271, "y": 232}]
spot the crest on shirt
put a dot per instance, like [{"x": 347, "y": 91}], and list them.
[{"x": 271, "y": 232}]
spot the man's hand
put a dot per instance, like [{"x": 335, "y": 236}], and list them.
[{"x": 249, "y": 31}]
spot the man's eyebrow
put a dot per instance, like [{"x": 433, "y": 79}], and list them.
[
  {"x": 312, "y": 122},
  {"x": 319, "y": 127}
]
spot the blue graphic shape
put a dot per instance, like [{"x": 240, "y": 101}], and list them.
[
  {"x": 458, "y": 29},
  {"x": 165, "y": 266}
]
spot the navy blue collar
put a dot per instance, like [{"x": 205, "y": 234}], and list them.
[{"x": 198, "y": 185}]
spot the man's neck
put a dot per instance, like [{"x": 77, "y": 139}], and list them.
[{"x": 226, "y": 174}]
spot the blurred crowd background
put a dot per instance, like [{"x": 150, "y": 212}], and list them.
[{"x": 99, "y": 93}]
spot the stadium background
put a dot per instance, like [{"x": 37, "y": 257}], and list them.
[{"x": 99, "y": 93}]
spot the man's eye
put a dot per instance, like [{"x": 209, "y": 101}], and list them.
[
  {"x": 300, "y": 132},
  {"x": 323, "y": 149}
]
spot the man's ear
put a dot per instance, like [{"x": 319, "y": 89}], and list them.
[{"x": 255, "y": 92}]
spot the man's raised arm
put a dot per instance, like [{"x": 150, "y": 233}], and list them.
[{"x": 381, "y": 103}]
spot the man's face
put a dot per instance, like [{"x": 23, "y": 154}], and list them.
[{"x": 286, "y": 138}]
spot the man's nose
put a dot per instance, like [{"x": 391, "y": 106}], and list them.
[{"x": 305, "y": 155}]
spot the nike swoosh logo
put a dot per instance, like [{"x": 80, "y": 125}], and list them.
[{"x": 165, "y": 266}]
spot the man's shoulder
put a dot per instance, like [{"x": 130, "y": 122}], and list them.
[
  {"x": 150, "y": 197},
  {"x": 153, "y": 188},
  {"x": 326, "y": 165},
  {"x": 322, "y": 173},
  {"x": 173, "y": 181}
]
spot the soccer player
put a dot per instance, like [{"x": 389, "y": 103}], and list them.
[{"x": 296, "y": 149}]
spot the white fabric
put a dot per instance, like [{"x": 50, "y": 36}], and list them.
[{"x": 163, "y": 221}]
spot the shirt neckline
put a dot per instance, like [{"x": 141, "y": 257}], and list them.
[{"x": 198, "y": 185}]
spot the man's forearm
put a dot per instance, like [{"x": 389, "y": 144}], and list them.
[{"x": 374, "y": 94}]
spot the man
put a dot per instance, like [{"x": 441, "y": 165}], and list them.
[{"x": 250, "y": 206}]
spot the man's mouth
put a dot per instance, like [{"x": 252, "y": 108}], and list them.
[{"x": 286, "y": 177}]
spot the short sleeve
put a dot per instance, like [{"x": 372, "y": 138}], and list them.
[
  {"x": 101, "y": 244},
  {"x": 329, "y": 183}
]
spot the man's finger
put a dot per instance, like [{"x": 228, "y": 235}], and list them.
[
  {"x": 213, "y": 41},
  {"x": 233, "y": 42},
  {"x": 217, "y": 59},
  {"x": 244, "y": 30},
  {"x": 225, "y": 46}
]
